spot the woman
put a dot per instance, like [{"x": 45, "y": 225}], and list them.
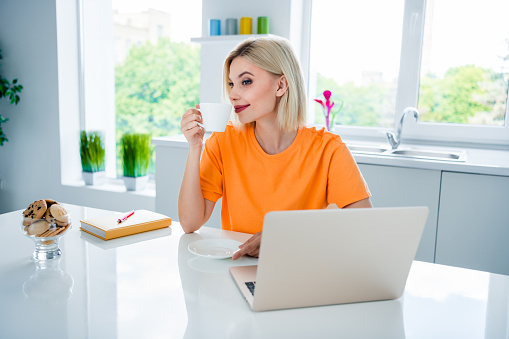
[{"x": 267, "y": 159}]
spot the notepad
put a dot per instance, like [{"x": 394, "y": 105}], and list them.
[{"x": 106, "y": 227}]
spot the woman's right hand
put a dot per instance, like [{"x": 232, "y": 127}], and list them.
[{"x": 190, "y": 127}]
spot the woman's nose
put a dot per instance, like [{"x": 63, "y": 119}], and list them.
[{"x": 233, "y": 95}]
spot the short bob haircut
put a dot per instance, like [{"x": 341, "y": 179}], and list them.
[{"x": 276, "y": 56}]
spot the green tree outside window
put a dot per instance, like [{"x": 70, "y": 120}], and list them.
[{"x": 154, "y": 86}]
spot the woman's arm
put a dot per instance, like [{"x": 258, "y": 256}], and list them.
[
  {"x": 194, "y": 210},
  {"x": 364, "y": 203}
]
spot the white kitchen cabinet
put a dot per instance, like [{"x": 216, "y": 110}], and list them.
[
  {"x": 170, "y": 166},
  {"x": 473, "y": 224},
  {"x": 399, "y": 186}
]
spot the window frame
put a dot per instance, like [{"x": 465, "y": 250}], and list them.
[
  {"x": 408, "y": 95},
  {"x": 464, "y": 133},
  {"x": 92, "y": 85}
]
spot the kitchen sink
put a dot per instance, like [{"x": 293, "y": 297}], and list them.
[
  {"x": 409, "y": 153},
  {"x": 451, "y": 156},
  {"x": 366, "y": 149}
]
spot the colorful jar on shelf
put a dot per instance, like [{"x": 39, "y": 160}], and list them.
[
  {"x": 215, "y": 27},
  {"x": 246, "y": 25},
  {"x": 263, "y": 25},
  {"x": 231, "y": 26}
]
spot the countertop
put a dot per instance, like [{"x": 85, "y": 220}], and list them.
[
  {"x": 150, "y": 286},
  {"x": 478, "y": 161}
]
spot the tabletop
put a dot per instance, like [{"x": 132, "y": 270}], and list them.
[{"x": 150, "y": 285}]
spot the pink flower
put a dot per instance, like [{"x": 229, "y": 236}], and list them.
[
  {"x": 327, "y": 95},
  {"x": 328, "y": 106},
  {"x": 327, "y": 109},
  {"x": 320, "y": 102}
]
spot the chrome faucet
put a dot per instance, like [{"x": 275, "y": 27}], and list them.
[{"x": 395, "y": 140}]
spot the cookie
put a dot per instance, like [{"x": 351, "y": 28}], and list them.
[
  {"x": 60, "y": 214},
  {"x": 35, "y": 211},
  {"x": 52, "y": 232},
  {"x": 47, "y": 233},
  {"x": 38, "y": 227},
  {"x": 50, "y": 202},
  {"x": 47, "y": 215},
  {"x": 64, "y": 229}
]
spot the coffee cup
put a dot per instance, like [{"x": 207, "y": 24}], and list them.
[{"x": 215, "y": 116}]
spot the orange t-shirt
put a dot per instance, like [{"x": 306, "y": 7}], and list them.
[{"x": 316, "y": 170}]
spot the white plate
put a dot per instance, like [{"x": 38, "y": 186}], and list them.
[{"x": 215, "y": 248}]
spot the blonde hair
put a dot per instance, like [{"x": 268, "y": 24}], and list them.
[{"x": 276, "y": 56}]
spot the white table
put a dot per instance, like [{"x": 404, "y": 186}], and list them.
[{"x": 150, "y": 286}]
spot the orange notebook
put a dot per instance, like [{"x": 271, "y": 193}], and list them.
[{"x": 106, "y": 227}]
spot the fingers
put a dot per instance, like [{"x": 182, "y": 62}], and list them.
[
  {"x": 191, "y": 119},
  {"x": 253, "y": 252},
  {"x": 190, "y": 112},
  {"x": 251, "y": 247},
  {"x": 237, "y": 255},
  {"x": 191, "y": 126}
]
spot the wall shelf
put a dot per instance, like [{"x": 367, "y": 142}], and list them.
[{"x": 227, "y": 38}]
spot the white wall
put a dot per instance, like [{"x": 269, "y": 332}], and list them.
[
  {"x": 288, "y": 18},
  {"x": 30, "y": 163},
  {"x": 278, "y": 12}
]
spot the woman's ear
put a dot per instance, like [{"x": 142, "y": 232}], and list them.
[{"x": 282, "y": 86}]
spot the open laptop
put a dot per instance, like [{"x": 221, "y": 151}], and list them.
[{"x": 325, "y": 257}]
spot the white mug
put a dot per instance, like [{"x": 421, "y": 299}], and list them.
[{"x": 215, "y": 116}]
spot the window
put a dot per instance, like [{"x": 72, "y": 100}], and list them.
[
  {"x": 355, "y": 54},
  {"x": 157, "y": 74},
  {"x": 140, "y": 71},
  {"x": 448, "y": 58},
  {"x": 464, "y": 69}
]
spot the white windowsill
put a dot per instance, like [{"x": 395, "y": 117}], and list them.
[{"x": 115, "y": 185}]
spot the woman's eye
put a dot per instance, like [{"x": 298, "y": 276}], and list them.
[
  {"x": 246, "y": 82},
  {"x": 230, "y": 84}
]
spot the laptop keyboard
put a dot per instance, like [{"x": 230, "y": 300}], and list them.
[{"x": 251, "y": 286}]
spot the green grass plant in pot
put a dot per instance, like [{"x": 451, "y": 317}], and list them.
[
  {"x": 92, "y": 157},
  {"x": 135, "y": 151}
]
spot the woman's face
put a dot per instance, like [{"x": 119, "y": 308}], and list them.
[{"x": 254, "y": 91}]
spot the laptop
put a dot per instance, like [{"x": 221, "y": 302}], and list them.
[{"x": 332, "y": 256}]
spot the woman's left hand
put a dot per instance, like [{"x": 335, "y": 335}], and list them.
[{"x": 251, "y": 247}]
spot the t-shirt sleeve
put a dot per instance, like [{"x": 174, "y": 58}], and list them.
[
  {"x": 211, "y": 170},
  {"x": 345, "y": 182}
]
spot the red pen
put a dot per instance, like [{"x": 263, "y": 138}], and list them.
[{"x": 124, "y": 218}]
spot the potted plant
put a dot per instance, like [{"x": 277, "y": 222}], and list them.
[
  {"x": 135, "y": 151},
  {"x": 8, "y": 90},
  {"x": 92, "y": 157}
]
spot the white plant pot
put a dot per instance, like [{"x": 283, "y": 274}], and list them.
[
  {"x": 94, "y": 178},
  {"x": 136, "y": 183}
]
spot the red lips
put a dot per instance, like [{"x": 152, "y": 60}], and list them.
[{"x": 240, "y": 108}]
